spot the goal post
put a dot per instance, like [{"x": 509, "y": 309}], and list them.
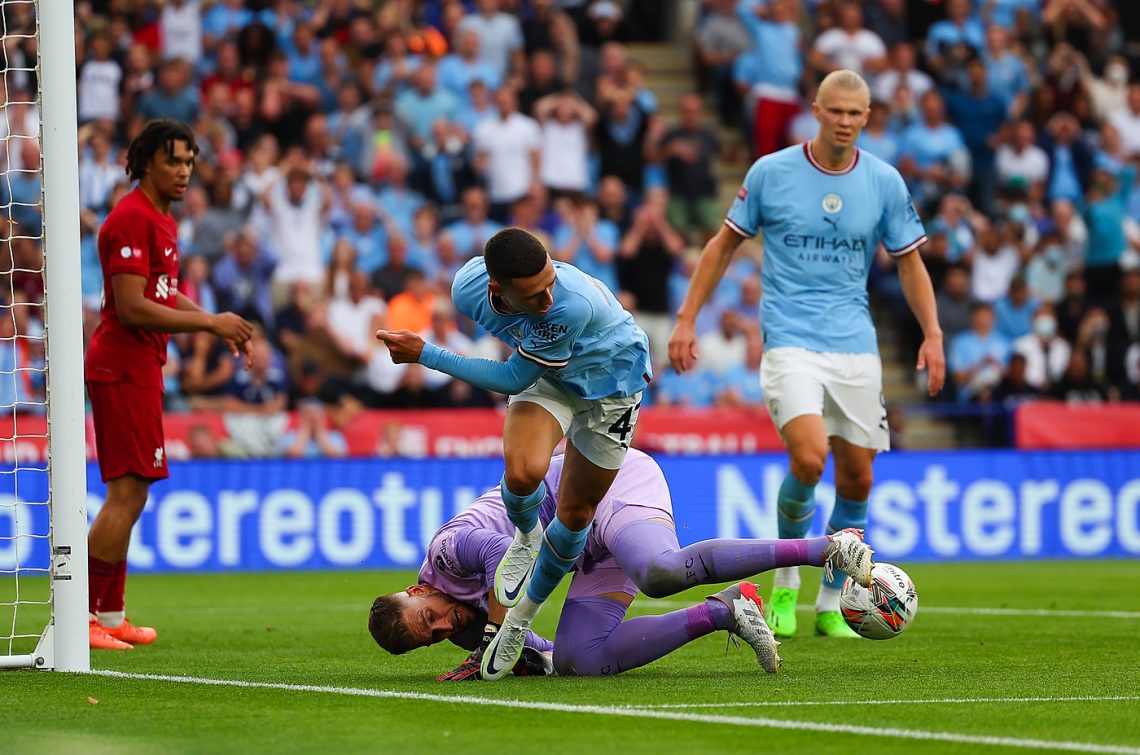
[{"x": 58, "y": 556}]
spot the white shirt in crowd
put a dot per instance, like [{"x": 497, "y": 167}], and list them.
[
  {"x": 993, "y": 273},
  {"x": 96, "y": 181},
  {"x": 508, "y": 145},
  {"x": 1128, "y": 124},
  {"x": 720, "y": 354},
  {"x": 1043, "y": 365},
  {"x": 352, "y": 321},
  {"x": 99, "y": 90},
  {"x": 565, "y": 148},
  {"x": 885, "y": 85},
  {"x": 181, "y": 25},
  {"x": 295, "y": 234},
  {"x": 850, "y": 51},
  {"x": 1031, "y": 166},
  {"x": 499, "y": 36}
]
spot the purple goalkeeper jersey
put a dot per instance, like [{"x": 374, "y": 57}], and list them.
[{"x": 450, "y": 566}]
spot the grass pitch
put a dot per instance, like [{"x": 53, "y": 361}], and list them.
[{"x": 1045, "y": 657}]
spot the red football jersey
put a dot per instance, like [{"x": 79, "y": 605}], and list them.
[{"x": 135, "y": 238}]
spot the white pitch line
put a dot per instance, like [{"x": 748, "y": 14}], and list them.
[
  {"x": 962, "y": 610},
  {"x": 943, "y": 701},
  {"x": 600, "y": 710}
]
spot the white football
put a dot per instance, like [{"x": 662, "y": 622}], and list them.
[{"x": 885, "y": 609}]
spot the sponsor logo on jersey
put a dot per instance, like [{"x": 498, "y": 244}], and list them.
[
  {"x": 832, "y": 203},
  {"x": 163, "y": 288},
  {"x": 819, "y": 243},
  {"x": 168, "y": 251},
  {"x": 515, "y": 332},
  {"x": 742, "y": 194},
  {"x": 549, "y": 331},
  {"x": 127, "y": 252}
]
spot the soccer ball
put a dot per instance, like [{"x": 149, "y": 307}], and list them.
[{"x": 883, "y": 610}]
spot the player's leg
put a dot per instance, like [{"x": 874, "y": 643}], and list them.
[
  {"x": 855, "y": 420},
  {"x": 534, "y": 425},
  {"x": 852, "y": 488},
  {"x": 127, "y": 419},
  {"x": 597, "y": 441},
  {"x": 794, "y": 396}
]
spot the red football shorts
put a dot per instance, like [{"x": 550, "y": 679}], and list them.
[{"x": 128, "y": 429}]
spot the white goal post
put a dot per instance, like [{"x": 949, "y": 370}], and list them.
[{"x": 62, "y": 644}]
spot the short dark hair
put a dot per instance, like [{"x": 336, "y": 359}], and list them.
[
  {"x": 386, "y": 624},
  {"x": 513, "y": 253},
  {"x": 157, "y": 134}
]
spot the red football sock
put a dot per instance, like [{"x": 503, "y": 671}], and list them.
[
  {"x": 113, "y": 599},
  {"x": 99, "y": 575}
]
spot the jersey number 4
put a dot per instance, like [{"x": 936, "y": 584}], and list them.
[{"x": 624, "y": 424}]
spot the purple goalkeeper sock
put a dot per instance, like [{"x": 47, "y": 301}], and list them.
[
  {"x": 648, "y": 552},
  {"x": 593, "y": 640}
]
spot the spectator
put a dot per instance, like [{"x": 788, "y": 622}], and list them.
[
  {"x": 977, "y": 357},
  {"x": 849, "y": 45},
  {"x": 542, "y": 81},
  {"x": 312, "y": 438},
  {"x": 457, "y": 70},
  {"x": 469, "y": 233},
  {"x": 351, "y": 318},
  {"x": 950, "y": 42},
  {"x": 253, "y": 406},
  {"x": 342, "y": 263},
  {"x": 901, "y": 72},
  {"x": 98, "y": 84},
  {"x": 647, "y": 254},
  {"x": 349, "y": 124},
  {"x": 500, "y": 37},
  {"x": 180, "y": 24},
  {"x": 21, "y": 194},
  {"x": 206, "y": 368},
  {"x": 1105, "y": 217},
  {"x": 876, "y": 138},
  {"x": 242, "y": 278},
  {"x": 368, "y": 237},
  {"x": 1022, "y": 166},
  {"x": 1005, "y": 72},
  {"x": 693, "y": 389},
  {"x": 589, "y": 243},
  {"x": 1046, "y": 354},
  {"x": 421, "y": 105},
  {"x": 772, "y": 74},
  {"x": 726, "y": 346},
  {"x": 175, "y": 96},
  {"x": 194, "y": 283},
  {"x": 1078, "y": 386},
  {"x": 740, "y": 385},
  {"x": 1070, "y": 159},
  {"x": 1014, "y": 312},
  {"x": 1109, "y": 94},
  {"x": 953, "y": 301},
  {"x": 566, "y": 121},
  {"x": 623, "y": 132},
  {"x": 980, "y": 114},
  {"x": 1045, "y": 271},
  {"x": 447, "y": 170},
  {"x": 296, "y": 206},
  {"x": 720, "y": 38},
  {"x": 391, "y": 279},
  {"x": 613, "y": 202},
  {"x": 395, "y": 201},
  {"x": 688, "y": 150},
  {"x": 220, "y": 219},
  {"x": 477, "y": 106},
  {"x": 443, "y": 333},
  {"x": 423, "y": 248},
  {"x": 1126, "y": 121},
  {"x": 98, "y": 172},
  {"x": 508, "y": 153},
  {"x": 933, "y": 155},
  {"x": 996, "y": 262},
  {"x": 411, "y": 308}
]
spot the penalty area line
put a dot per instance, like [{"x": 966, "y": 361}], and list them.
[
  {"x": 941, "y": 701},
  {"x": 625, "y": 712}
]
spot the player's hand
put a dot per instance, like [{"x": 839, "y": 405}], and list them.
[
  {"x": 683, "y": 346},
  {"x": 231, "y": 327},
  {"x": 469, "y": 669},
  {"x": 932, "y": 359},
  {"x": 404, "y": 345}
]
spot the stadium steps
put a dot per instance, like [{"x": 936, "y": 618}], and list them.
[{"x": 669, "y": 74}]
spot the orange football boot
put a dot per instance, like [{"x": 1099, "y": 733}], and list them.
[
  {"x": 100, "y": 640},
  {"x": 128, "y": 632}
]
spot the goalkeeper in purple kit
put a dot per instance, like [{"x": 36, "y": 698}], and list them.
[{"x": 632, "y": 548}]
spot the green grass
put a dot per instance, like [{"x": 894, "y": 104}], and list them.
[{"x": 309, "y": 628}]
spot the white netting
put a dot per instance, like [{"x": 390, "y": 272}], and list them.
[{"x": 25, "y": 524}]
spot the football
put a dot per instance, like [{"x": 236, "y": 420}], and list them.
[{"x": 885, "y": 609}]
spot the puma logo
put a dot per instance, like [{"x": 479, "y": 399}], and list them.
[{"x": 834, "y": 222}]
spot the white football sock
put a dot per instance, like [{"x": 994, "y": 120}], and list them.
[
  {"x": 111, "y": 619},
  {"x": 524, "y": 611},
  {"x": 827, "y": 600},
  {"x": 787, "y": 576}
]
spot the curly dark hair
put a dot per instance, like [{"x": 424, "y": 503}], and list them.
[
  {"x": 513, "y": 253},
  {"x": 157, "y": 134},
  {"x": 386, "y": 624}
]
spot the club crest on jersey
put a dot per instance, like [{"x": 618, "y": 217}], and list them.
[{"x": 832, "y": 203}]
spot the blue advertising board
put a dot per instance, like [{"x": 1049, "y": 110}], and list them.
[{"x": 377, "y": 514}]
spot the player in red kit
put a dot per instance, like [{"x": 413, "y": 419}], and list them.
[{"x": 138, "y": 251}]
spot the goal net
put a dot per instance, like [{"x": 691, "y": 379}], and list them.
[{"x": 43, "y": 551}]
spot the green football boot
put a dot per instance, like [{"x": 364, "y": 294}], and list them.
[{"x": 780, "y": 611}]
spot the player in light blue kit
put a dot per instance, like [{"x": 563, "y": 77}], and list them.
[
  {"x": 578, "y": 371},
  {"x": 824, "y": 208}
]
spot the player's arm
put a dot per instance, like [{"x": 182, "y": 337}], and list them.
[
  {"x": 137, "y": 311},
  {"x": 715, "y": 259},
  {"x": 919, "y": 293},
  {"x": 509, "y": 377}
]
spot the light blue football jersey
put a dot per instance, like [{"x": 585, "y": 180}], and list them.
[
  {"x": 821, "y": 230},
  {"x": 587, "y": 341}
]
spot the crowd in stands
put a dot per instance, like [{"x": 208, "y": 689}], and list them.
[{"x": 355, "y": 153}]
